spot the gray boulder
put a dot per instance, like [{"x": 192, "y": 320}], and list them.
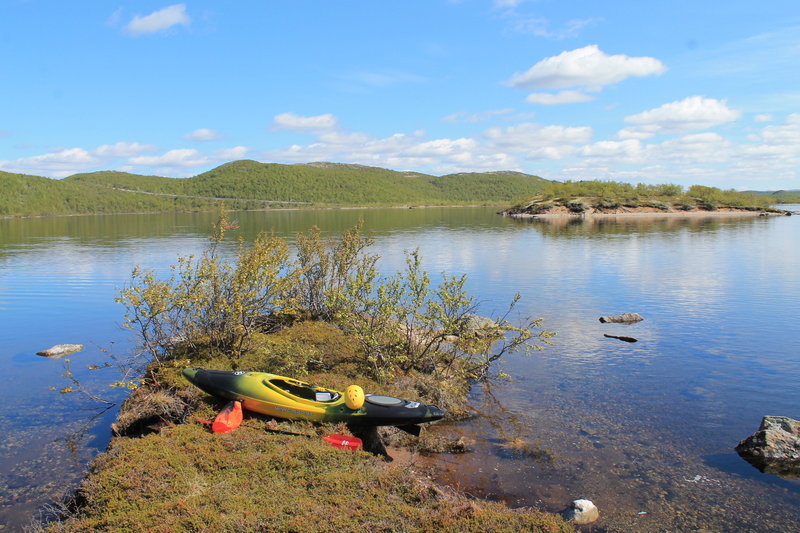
[
  {"x": 60, "y": 350},
  {"x": 625, "y": 318},
  {"x": 775, "y": 447},
  {"x": 481, "y": 326},
  {"x": 581, "y": 512}
]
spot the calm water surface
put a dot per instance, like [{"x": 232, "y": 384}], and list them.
[{"x": 645, "y": 430}]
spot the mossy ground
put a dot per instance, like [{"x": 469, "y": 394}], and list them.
[{"x": 178, "y": 476}]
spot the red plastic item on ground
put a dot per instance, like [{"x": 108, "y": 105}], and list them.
[
  {"x": 344, "y": 442},
  {"x": 228, "y": 419}
]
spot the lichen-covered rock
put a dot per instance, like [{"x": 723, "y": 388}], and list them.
[
  {"x": 60, "y": 350},
  {"x": 778, "y": 439},
  {"x": 625, "y": 318},
  {"x": 582, "y": 512}
]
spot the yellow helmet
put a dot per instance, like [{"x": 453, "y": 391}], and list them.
[{"x": 354, "y": 397}]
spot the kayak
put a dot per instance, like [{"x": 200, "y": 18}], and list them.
[{"x": 283, "y": 397}]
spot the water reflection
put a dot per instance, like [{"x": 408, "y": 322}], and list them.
[
  {"x": 630, "y": 426},
  {"x": 625, "y": 225}
]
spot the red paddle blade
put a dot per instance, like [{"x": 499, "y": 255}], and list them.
[
  {"x": 344, "y": 442},
  {"x": 228, "y": 419}
]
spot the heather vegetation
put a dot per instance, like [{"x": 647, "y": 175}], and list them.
[
  {"x": 185, "y": 479},
  {"x": 325, "y": 314}
]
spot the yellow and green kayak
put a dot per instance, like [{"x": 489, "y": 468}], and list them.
[{"x": 289, "y": 398}]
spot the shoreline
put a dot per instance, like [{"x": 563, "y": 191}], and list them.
[
  {"x": 651, "y": 212},
  {"x": 552, "y": 213},
  {"x": 308, "y": 208}
]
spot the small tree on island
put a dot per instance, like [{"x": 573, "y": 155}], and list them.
[{"x": 401, "y": 323}]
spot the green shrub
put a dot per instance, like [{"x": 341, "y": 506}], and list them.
[
  {"x": 210, "y": 300},
  {"x": 401, "y": 323}
]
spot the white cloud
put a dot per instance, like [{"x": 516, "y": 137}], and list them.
[
  {"x": 589, "y": 68},
  {"x": 536, "y": 142},
  {"x": 231, "y": 154},
  {"x": 629, "y": 151},
  {"x": 179, "y": 157},
  {"x": 694, "y": 149},
  {"x": 399, "y": 151},
  {"x": 122, "y": 149},
  {"x": 159, "y": 20},
  {"x": 763, "y": 117},
  {"x": 787, "y": 134},
  {"x": 770, "y": 160},
  {"x": 442, "y": 147},
  {"x": 115, "y": 17},
  {"x": 58, "y": 163},
  {"x": 690, "y": 114},
  {"x": 203, "y": 134},
  {"x": 561, "y": 97},
  {"x": 292, "y": 122},
  {"x": 529, "y": 136},
  {"x": 463, "y": 116},
  {"x": 541, "y": 27}
]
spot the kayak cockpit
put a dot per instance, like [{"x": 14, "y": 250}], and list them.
[{"x": 301, "y": 390}]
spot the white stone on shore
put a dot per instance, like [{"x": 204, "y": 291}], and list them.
[{"x": 582, "y": 512}]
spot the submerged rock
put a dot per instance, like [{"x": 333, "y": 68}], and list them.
[
  {"x": 60, "y": 350},
  {"x": 622, "y": 338},
  {"x": 581, "y": 512},
  {"x": 625, "y": 318},
  {"x": 775, "y": 447}
]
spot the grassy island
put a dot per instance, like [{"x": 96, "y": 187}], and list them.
[
  {"x": 614, "y": 198},
  {"x": 326, "y": 317}
]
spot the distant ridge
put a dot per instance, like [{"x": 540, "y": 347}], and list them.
[
  {"x": 793, "y": 194},
  {"x": 248, "y": 184}
]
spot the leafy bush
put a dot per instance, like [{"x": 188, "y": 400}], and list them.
[
  {"x": 210, "y": 300},
  {"x": 610, "y": 195},
  {"x": 401, "y": 323},
  {"x": 325, "y": 266}
]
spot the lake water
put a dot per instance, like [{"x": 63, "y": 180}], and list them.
[{"x": 646, "y": 430}]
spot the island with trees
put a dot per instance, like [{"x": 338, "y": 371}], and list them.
[{"x": 609, "y": 198}]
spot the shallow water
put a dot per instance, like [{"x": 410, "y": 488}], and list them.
[{"x": 646, "y": 430}]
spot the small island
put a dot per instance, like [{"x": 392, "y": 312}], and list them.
[
  {"x": 601, "y": 198},
  {"x": 315, "y": 318}
]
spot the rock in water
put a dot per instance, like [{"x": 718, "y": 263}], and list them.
[
  {"x": 60, "y": 350},
  {"x": 775, "y": 447},
  {"x": 582, "y": 512},
  {"x": 625, "y": 318},
  {"x": 626, "y": 339}
]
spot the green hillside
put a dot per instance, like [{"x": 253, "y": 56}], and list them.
[
  {"x": 780, "y": 197},
  {"x": 249, "y": 184},
  {"x": 130, "y": 182},
  {"x": 23, "y": 195}
]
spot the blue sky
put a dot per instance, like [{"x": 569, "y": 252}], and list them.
[{"x": 683, "y": 92}]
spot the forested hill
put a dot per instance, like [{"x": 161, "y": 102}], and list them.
[{"x": 249, "y": 185}]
